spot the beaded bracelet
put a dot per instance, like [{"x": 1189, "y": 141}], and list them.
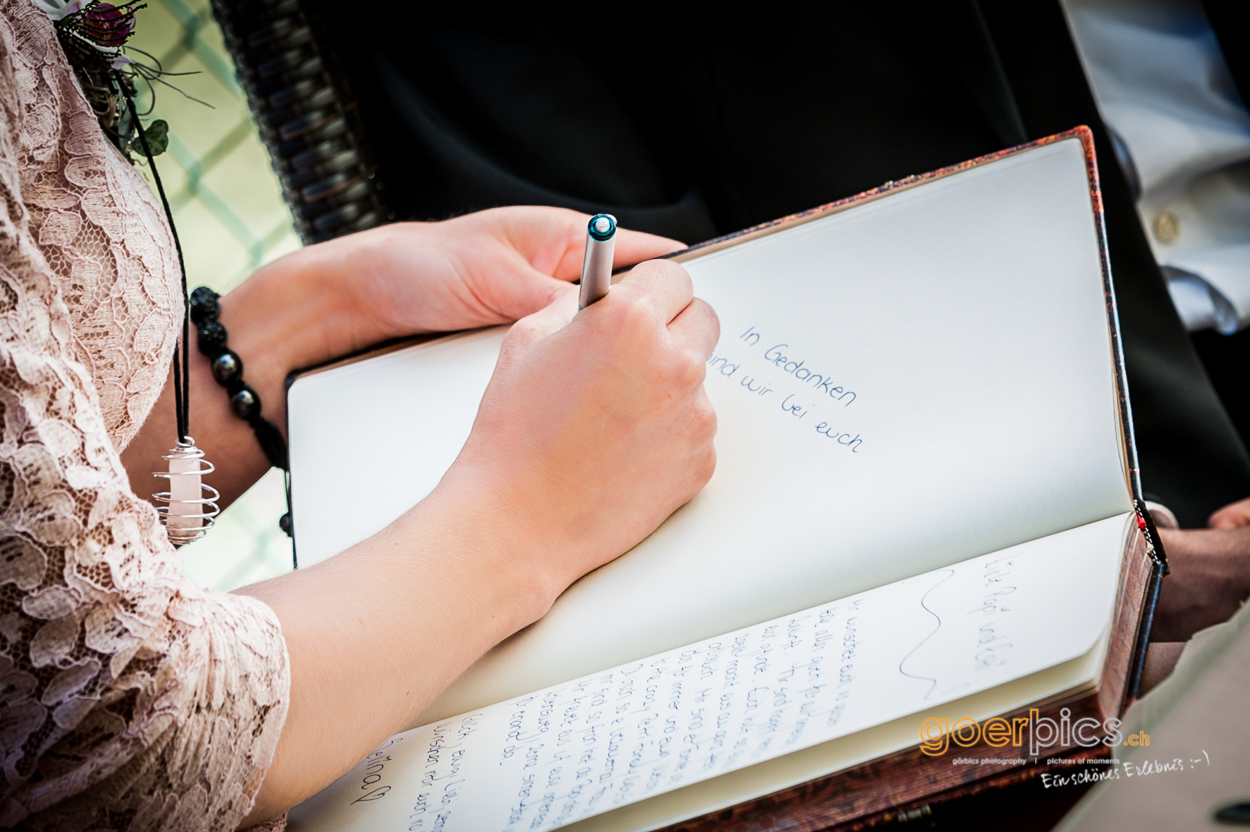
[{"x": 227, "y": 369}]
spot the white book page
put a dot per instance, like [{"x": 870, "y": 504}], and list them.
[
  {"x": 650, "y": 727},
  {"x": 898, "y": 387}
]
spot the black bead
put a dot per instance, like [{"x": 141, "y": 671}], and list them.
[
  {"x": 284, "y": 523},
  {"x": 203, "y": 305},
  {"x": 245, "y": 403},
  {"x": 227, "y": 368},
  {"x": 211, "y": 338}
]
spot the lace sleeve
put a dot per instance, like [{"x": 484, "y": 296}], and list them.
[{"x": 129, "y": 699}]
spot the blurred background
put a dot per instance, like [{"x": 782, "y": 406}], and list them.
[{"x": 231, "y": 219}]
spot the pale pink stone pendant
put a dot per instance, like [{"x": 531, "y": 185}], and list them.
[{"x": 190, "y": 504}]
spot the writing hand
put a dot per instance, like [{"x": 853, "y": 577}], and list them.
[
  {"x": 594, "y": 429},
  {"x": 1210, "y": 574},
  {"x": 595, "y": 426},
  {"x": 345, "y": 295}
]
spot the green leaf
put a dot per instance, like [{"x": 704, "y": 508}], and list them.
[{"x": 158, "y": 136}]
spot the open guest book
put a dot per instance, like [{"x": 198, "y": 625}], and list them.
[{"x": 922, "y": 542}]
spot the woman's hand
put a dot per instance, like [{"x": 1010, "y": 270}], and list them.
[
  {"x": 594, "y": 428},
  {"x": 480, "y": 269},
  {"x": 343, "y": 296}
]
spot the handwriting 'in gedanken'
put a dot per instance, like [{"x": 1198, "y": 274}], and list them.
[{"x": 815, "y": 385}]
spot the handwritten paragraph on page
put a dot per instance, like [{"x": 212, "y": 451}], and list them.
[{"x": 547, "y": 759}]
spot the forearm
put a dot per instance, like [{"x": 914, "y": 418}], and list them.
[{"x": 375, "y": 633}]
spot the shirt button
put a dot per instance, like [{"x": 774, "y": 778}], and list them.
[{"x": 1167, "y": 227}]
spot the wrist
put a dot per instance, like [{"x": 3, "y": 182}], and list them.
[
  {"x": 286, "y": 317},
  {"x": 482, "y": 542}
]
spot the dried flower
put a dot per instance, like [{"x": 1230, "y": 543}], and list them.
[
  {"x": 93, "y": 34},
  {"x": 106, "y": 25}
]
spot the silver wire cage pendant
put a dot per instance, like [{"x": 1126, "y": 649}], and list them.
[{"x": 190, "y": 506}]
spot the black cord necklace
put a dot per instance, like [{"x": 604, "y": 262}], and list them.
[
  {"x": 182, "y": 368},
  {"x": 189, "y": 506}
]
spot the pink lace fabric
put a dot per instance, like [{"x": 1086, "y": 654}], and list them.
[{"x": 129, "y": 699}]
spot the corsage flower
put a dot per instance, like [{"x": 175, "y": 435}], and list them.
[{"x": 93, "y": 35}]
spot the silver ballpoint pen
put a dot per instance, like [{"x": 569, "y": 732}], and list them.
[{"x": 597, "y": 264}]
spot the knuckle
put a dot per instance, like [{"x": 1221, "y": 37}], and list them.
[
  {"x": 689, "y": 369},
  {"x": 700, "y": 470},
  {"x": 632, "y": 318},
  {"x": 521, "y": 331},
  {"x": 703, "y": 419},
  {"x": 707, "y": 466},
  {"x": 655, "y": 273},
  {"x": 521, "y": 335},
  {"x": 667, "y": 270},
  {"x": 709, "y": 314}
]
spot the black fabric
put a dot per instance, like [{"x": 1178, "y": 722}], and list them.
[
  {"x": 689, "y": 130},
  {"x": 973, "y": 50},
  {"x": 701, "y": 126},
  {"x": 1234, "y": 38},
  {"x": 1227, "y": 359}
]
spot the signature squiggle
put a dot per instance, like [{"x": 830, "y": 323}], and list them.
[{"x": 936, "y": 617}]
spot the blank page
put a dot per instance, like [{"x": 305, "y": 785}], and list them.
[{"x": 900, "y": 386}]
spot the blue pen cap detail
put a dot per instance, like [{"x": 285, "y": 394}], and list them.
[{"x": 602, "y": 227}]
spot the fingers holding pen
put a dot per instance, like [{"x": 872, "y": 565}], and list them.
[
  {"x": 655, "y": 302},
  {"x": 659, "y": 295},
  {"x": 607, "y": 409},
  {"x": 654, "y": 311},
  {"x": 660, "y": 286}
]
